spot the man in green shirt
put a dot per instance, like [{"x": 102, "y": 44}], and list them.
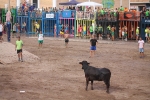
[
  {"x": 147, "y": 13},
  {"x": 108, "y": 32},
  {"x": 18, "y": 47},
  {"x": 100, "y": 31},
  {"x": 121, "y": 8},
  {"x": 91, "y": 30}
]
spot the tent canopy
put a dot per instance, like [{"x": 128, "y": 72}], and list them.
[
  {"x": 94, "y": 4},
  {"x": 72, "y": 2}
]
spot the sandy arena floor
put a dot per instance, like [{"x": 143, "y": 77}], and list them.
[{"x": 58, "y": 76}]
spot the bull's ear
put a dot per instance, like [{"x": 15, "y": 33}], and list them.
[
  {"x": 88, "y": 63},
  {"x": 80, "y": 62}
]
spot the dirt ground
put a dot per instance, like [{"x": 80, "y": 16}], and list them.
[{"x": 58, "y": 75}]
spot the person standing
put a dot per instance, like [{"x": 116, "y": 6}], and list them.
[
  {"x": 125, "y": 33},
  {"x": 113, "y": 33},
  {"x": 93, "y": 43},
  {"x": 1, "y": 31},
  {"x": 141, "y": 47},
  {"x": 66, "y": 36},
  {"x": 132, "y": 31},
  {"x": 100, "y": 31},
  {"x": 18, "y": 47},
  {"x": 8, "y": 20},
  {"x": 146, "y": 34},
  {"x": 40, "y": 39},
  {"x": 91, "y": 31},
  {"x": 137, "y": 33},
  {"x": 14, "y": 30},
  {"x": 37, "y": 26},
  {"x": 84, "y": 30}
]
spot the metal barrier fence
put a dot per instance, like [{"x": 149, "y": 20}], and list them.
[
  {"x": 131, "y": 20},
  {"x": 67, "y": 19},
  {"x": 144, "y": 23}
]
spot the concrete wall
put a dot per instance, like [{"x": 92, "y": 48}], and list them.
[{"x": 3, "y": 2}]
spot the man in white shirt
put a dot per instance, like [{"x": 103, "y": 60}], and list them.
[
  {"x": 141, "y": 47},
  {"x": 40, "y": 39},
  {"x": 1, "y": 30}
]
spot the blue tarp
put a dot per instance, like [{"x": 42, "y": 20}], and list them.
[{"x": 72, "y": 2}]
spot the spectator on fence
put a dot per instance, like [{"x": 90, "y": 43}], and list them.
[
  {"x": 147, "y": 13},
  {"x": 14, "y": 30},
  {"x": 137, "y": 33},
  {"x": 120, "y": 30},
  {"x": 126, "y": 9},
  {"x": 62, "y": 31},
  {"x": 18, "y": 28},
  {"x": 8, "y": 16},
  {"x": 112, "y": 32},
  {"x": 67, "y": 28},
  {"x": 84, "y": 30},
  {"x": 37, "y": 26},
  {"x": 80, "y": 30},
  {"x": 125, "y": 32},
  {"x": 5, "y": 28},
  {"x": 121, "y": 8},
  {"x": 146, "y": 33},
  {"x": 100, "y": 31},
  {"x": 132, "y": 31},
  {"x": 55, "y": 30},
  {"x": 24, "y": 27},
  {"x": 12, "y": 10},
  {"x": 108, "y": 31},
  {"x": 91, "y": 30},
  {"x": 143, "y": 12},
  {"x": 72, "y": 30},
  {"x": 1, "y": 31}
]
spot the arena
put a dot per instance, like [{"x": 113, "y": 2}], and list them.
[
  {"x": 57, "y": 75},
  {"x": 53, "y": 41}
]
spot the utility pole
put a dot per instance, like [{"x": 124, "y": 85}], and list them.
[
  {"x": 120, "y": 2},
  {"x": 8, "y": 4}
]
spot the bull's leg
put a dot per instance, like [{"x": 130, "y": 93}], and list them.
[
  {"x": 87, "y": 82},
  {"x": 107, "y": 82},
  {"x": 92, "y": 85}
]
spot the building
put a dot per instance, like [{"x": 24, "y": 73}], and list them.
[
  {"x": 133, "y": 4},
  {"x": 38, "y": 3},
  {"x": 139, "y": 4}
]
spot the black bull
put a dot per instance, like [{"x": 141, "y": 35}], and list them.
[{"x": 96, "y": 74}]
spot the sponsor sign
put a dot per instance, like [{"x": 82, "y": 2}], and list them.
[{"x": 49, "y": 15}]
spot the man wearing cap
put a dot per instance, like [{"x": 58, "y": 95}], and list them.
[
  {"x": 137, "y": 33},
  {"x": 19, "y": 45}
]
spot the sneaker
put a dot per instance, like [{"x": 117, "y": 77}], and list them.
[{"x": 21, "y": 60}]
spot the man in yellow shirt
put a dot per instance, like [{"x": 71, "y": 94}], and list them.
[
  {"x": 19, "y": 45},
  {"x": 84, "y": 30},
  {"x": 137, "y": 33},
  {"x": 37, "y": 26}
]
